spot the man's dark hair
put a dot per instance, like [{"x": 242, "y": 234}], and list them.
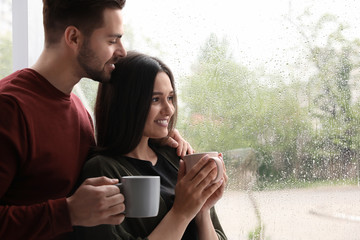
[{"x": 86, "y": 15}]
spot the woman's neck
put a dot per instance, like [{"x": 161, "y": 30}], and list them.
[{"x": 143, "y": 152}]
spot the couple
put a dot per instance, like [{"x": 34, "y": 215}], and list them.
[
  {"x": 46, "y": 133},
  {"x": 138, "y": 104}
]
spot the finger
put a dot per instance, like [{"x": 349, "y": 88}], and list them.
[
  {"x": 205, "y": 175},
  {"x": 114, "y": 210},
  {"x": 182, "y": 170},
  {"x": 211, "y": 189},
  {"x": 110, "y": 190},
  {"x": 172, "y": 142},
  {"x": 98, "y": 181},
  {"x": 187, "y": 149},
  {"x": 115, "y": 200},
  {"x": 219, "y": 192},
  {"x": 190, "y": 149},
  {"x": 201, "y": 163},
  {"x": 223, "y": 185},
  {"x": 191, "y": 173},
  {"x": 179, "y": 150},
  {"x": 115, "y": 219},
  {"x": 175, "y": 135},
  {"x": 183, "y": 149}
]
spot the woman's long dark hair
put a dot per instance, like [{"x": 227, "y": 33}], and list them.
[{"x": 123, "y": 103}]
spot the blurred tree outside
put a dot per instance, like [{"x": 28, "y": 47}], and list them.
[
  {"x": 299, "y": 130},
  {"x": 228, "y": 108},
  {"x": 212, "y": 96},
  {"x": 5, "y": 54},
  {"x": 336, "y": 61},
  {"x": 5, "y": 39}
]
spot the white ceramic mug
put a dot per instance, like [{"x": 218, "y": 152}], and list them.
[
  {"x": 191, "y": 159},
  {"x": 142, "y": 195}
]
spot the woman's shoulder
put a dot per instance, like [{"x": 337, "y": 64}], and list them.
[
  {"x": 100, "y": 161},
  {"x": 101, "y": 165},
  {"x": 170, "y": 151}
]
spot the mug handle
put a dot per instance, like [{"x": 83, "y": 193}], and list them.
[{"x": 219, "y": 168}]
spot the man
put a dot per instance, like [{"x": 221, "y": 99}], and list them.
[{"x": 46, "y": 133}]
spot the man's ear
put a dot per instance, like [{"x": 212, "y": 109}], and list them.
[{"x": 73, "y": 37}]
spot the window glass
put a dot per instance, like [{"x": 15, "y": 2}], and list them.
[
  {"x": 5, "y": 38},
  {"x": 273, "y": 85}
]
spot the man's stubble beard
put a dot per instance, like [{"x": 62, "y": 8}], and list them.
[{"x": 91, "y": 65}]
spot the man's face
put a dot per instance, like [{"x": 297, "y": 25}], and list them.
[{"x": 103, "y": 48}]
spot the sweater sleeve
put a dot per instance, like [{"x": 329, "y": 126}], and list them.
[
  {"x": 36, "y": 221},
  {"x": 215, "y": 220}
]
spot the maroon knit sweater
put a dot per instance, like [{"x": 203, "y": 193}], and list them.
[{"x": 45, "y": 137}]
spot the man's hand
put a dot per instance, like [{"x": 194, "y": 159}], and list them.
[
  {"x": 97, "y": 201},
  {"x": 176, "y": 141}
]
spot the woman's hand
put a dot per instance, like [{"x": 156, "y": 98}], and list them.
[
  {"x": 192, "y": 189},
  {"x": 217, "y": 195}
]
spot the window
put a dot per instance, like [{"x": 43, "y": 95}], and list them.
[
  {"x": 274, "y": 85},
  {"x": 5, "y": 38}
]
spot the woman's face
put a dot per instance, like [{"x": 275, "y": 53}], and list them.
[{"x": 161, "y": 109}]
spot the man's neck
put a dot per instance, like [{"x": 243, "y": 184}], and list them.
[{"x": 58, "y": 69}]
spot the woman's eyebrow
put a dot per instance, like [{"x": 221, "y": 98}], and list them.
[{"x": 161, "y": 93}]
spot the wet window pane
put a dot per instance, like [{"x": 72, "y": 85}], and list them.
[
  {"x": 274, "y": 86},
  {"x": 5, "y": 38}
]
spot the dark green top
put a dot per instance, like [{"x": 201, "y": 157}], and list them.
[{"x": 140, "y": 228}]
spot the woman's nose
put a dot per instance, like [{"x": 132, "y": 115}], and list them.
[{"x": 168, "y": 108}]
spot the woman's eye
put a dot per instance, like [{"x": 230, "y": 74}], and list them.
[
  {"x": 171, "y": 98},
  {"x": 155, "y": 99}
]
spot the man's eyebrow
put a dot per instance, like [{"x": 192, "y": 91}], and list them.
[{"x": 116, "y": 35}]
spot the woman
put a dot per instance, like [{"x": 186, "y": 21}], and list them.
[{"x": 137, "y": 105}]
